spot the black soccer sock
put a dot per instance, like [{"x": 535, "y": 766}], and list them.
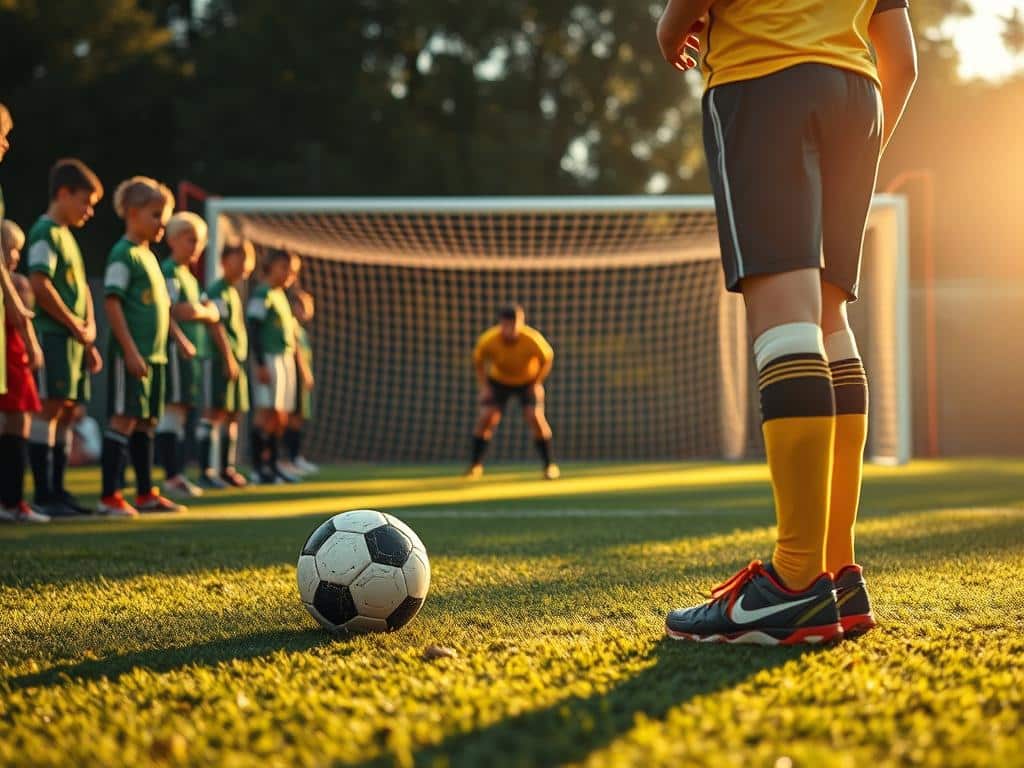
[
  {"x": 258, "y": 441},
  {"x": 140, "y": 446},
  {"x": 60, "y": 461},
  {"x": 204, "y": 429},
  {"x": 480, "y": 446},
  {"x": 12, "y": 479},
  {"x": 167, "y": 451},
  {"x": 272, "y": 452},
  {"x": 293, "y": 443},
  {"x": 40, "y": 457},
  {"x": 544, "y": 449},
  {"x": 112, "y": 460}
]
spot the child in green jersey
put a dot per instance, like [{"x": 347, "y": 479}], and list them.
[
  {"x": 225, "y": 382},
  {"x": 139, "y": 311},
  {"x": 303, "y": 308},
  {"x": 66, "y": 326},
  {"x": 186, "y": 349}
]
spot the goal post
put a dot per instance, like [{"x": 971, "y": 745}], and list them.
[{"x": 652, "y": 359}]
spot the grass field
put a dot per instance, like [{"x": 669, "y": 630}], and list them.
[{"x": 181, "y": 641}]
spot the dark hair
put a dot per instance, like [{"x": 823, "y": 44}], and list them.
[
  {"x": 244, "y": 247},
  {"x": 511, "y": 312},
  {"x": 72, "y": 174}
]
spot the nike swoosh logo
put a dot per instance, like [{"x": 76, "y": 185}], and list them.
[{"x": 741, "y": 615}]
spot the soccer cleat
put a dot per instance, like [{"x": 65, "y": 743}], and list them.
[
  {"x": 754, "y": 607},
  {"x": 288, "y": 469},
  {"x": 69, "y": 500},
  {"x": 22, "y": 512},
  {"x": 852, "y": 598},
  {"x": 210, "y": 481},
  {"x": 233, "y": 477},
  {"x": 284, "y": 476},
  {"x": 475, "y": 472},
  {"x": 305, "y": 466},
  {"x": 552, "y": 472},
  {"x": 265, "y": 477},
  {"x": 116, "y": 506},
  {"x": 179, "y": 487},
  {"x": 154, "y": 502},
  {"x": 58, "y": 510}
]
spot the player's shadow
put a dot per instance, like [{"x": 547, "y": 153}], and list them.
[
  {"x": 572, "y": 728},
  {"x": 161, "y": 660}
]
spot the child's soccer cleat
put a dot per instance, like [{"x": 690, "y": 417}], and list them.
[
  {"x": 475, "y": 472},
  {"x": 22, "y": 512},
  {"x": 116, "y": 506},
  {"x": 233, "y": 477},
  {"x": 179, "y": 487},
  {"x": 265, "y": 477},
  {"x": 69, "y": 500},
  {"x": 305, "y": 466},
  {"x": 552, "y": 472},
  {"x": 284, "y": 475},
  {"x": 754, "y": 607},
  {"x": 59, "y": 510},
  {"x": 288, "y": 469},
  {"x": 210, "y": 481},
  {"x": 154, "y": 502},
  {"x": 852, "y": 598}
]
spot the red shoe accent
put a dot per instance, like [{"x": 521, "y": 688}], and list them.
[
  {"x": 858, "y": 624},
  {"x": 824, "y": 634}
]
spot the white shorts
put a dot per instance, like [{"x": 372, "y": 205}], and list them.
[{"x": 279, "y": 394}]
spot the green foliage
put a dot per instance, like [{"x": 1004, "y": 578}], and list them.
[{"x": 180, "y": 641}]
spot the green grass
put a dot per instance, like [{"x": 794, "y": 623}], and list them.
[{"x": 181, "y": 641}]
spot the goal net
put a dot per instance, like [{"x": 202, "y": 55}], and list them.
[{"x": 651, "y": 356}]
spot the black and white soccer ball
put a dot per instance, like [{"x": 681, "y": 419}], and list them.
[{"x": 363, "y": 571}]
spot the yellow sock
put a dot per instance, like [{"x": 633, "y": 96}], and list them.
[
  {"x": 851, "y": 395},
  {"x": 799, "y": 424}
]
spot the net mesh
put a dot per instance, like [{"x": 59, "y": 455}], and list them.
[{"x": 651, "y": 360}]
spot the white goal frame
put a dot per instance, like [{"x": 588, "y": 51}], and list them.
[{"x": 888, "y": 218}]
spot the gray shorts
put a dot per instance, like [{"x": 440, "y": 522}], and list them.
[{"x": 793, "y": 158}]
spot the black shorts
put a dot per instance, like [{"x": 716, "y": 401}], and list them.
[
  {"x": 793, "y": 158},
  {"x": 502, "y": 392}
]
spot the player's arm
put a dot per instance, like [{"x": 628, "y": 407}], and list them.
[
  {"x": 201, "y": 312},
  {"x": 305, "y": 372},
  {"x": 50, "y": 302},
  {"x": 893, "y": 39},
  {"x": 188, "y": 349},
  {"x": 93, "y": 359},
  {"x": 547, "y": 356},
  {"x": 678, "y": 27},
  {"x": 480, "y": 368},
  {"x": 134, "y": 362},
  {"x": 27, "y": 331},
  {"x": 15, "y": 307}
]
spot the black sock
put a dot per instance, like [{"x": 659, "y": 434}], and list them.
[
  {"x": 60, "y": 464},
  {"x": 203, "y": 444},
  {"x": 113, "y": 459},
  {"x": 293, "y": 443},
  {"x": 140, "y": 446},
  {"x": 480, "y": 446},
  {"x": 12, "y": 479},
  {"x": 544, "y": 449},
  {"x": 167, "y": 453},
  {"x": 40, "y": 457},
  {"x": 272, "y": 452},
  {"x": 258, "y": 441}
]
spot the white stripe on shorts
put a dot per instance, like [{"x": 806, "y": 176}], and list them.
[
  {"x": 730, "y": 214},
  {"x": 119, "y": 385}
]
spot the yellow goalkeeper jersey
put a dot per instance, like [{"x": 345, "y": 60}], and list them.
[
  {"x": 513, "y": 364},
  {"x": 746, "y": 39}
]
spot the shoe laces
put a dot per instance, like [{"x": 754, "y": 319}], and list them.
[{"x": 738, "y": 580}]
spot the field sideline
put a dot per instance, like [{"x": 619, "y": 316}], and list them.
[{"x": 180, "y": 640}]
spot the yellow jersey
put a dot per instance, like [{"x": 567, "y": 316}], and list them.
[
  {"x": 513, "y": 364},
  {"x": 746, "y": 39}
]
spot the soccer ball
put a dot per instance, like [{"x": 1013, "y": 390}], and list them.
[{"x": 363, "y": 571}]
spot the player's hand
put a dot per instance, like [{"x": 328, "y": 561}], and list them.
[
  {"x": 93, "y": 361},
  {"x": 80, "y": 332},
  {"x": 212, "y": 313},
  {"x": 21, "y": 315},
  {"x": 136, "y": 365},
  {"x": 35, "y": 354},
  {"x": 538, "y": 392},
  {"x": 89, "y": 333},
  {"x": 307, "y": 381},
  {"x": 486, "y": 395},
  {"x": 231, "y": 369},
  {"x": 262, "y": 374},
  {"x": 187, "y": 349},
  {"x": 680, "y": 50}
]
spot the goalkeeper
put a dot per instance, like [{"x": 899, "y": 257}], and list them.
[{"x": 512, "y": 360}]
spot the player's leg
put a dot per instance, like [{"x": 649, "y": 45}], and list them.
[
  {"x": 769, "y": 211},
  {"x": 216, "y": 394},
  {"x": 536, "y": 420},
  {"x": 122, "y": 408},
  {"x": 13, "y": 507},
  {"x": 288, "y": 395},
  {"x": 237, "y": 407},
  {"x": 152, "y": 393},
  {"x": 487, "y": 422}
]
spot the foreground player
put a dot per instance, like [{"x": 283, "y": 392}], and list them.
[
  {"x": 512, "y": 360},
  {"x": 793, "y": 127},
  {"x": 139, "y": 311}
]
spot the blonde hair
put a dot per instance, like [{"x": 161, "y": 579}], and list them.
[
  {"x": 184, "y": 220},
  {"x": 11, "y": 236},
  {"x": 138, "y": 192}
]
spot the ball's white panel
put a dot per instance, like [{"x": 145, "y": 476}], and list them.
[
  {"x": 362, "y": 624},
  {"x": 416, "y": 543},
  {"x": 308, "y": 578},
  {"x": 417, "y": 574},
  {"x": 359, "y": 520},
  {"x": 378, "y": 590},
  {"x": 342, "y": 557},
  {"x": 320, "y": 619}
]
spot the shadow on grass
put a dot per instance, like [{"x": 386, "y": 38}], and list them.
[
  {"x": 570, "y": 729},
  {"x": 160, "y": 660}
]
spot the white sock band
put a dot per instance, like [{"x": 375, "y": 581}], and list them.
[
  {"x": 43, "y": 432},
  {"x": 788, "y": 339},
  {"x": 172, "y": 421},
  {"x": 841, "y": 345}
]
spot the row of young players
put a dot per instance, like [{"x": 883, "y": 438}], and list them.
[{"x": 157, "y": 359}]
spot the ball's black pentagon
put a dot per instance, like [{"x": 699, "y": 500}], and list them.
[
  {"x": 318, "y": 537},
  {"x": 404, "y": 613},
  {"x": 334, "y": 603},
  {"x": 388, "y": 546}
]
